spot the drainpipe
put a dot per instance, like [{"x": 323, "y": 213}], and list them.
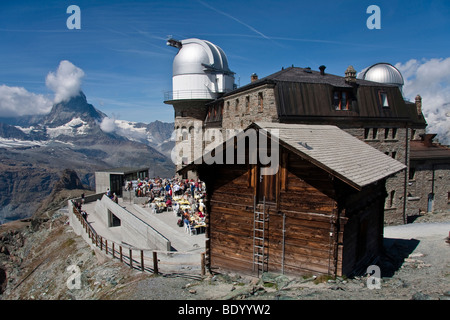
[{"x": 405, "y": 183}]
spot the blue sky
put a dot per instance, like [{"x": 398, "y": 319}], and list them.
[{"x": 127, "y": 66}]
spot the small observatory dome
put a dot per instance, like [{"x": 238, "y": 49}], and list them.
[
  {"x": 200, "y": 70},
  {"x": 383, "y": 73}
]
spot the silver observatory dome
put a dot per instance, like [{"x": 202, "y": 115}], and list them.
[
  {"x": 382, "y": 73},
  {"x": 198, "y": 56}
]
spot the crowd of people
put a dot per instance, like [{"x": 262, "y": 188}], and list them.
[{"x": 185, "y": 197}]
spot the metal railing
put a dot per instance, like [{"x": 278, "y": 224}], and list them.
[
  {"x": 145, "y": 260},
  {"x": 189, "y": 94}
]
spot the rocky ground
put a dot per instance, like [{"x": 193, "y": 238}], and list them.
[{"x": 42, "y": 259}]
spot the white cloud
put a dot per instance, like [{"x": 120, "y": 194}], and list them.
[
  {"x": 66, "y": 82},
  {"x": 17, "y": 101},
  {"x": 431, "y": 80},
  {"x": 108, "y": 125}
]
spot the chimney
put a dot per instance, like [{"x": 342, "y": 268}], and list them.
[
  {"x": 254, "y": 77},
  {"x": 427, "y": 139},
  {"x": 350, "y": 75},
  {"x": 322, "y": 70},
  {"x": 419, "y": 104}
]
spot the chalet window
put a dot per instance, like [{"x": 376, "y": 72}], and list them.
[
  {"x": 341, "y": 100},
  {"x": 383, "y": 99}
]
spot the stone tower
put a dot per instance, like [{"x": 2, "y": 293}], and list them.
[{"x": 200, "y": 75}]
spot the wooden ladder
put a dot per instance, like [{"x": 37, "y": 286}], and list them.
[{"x": 260, "y": 219}]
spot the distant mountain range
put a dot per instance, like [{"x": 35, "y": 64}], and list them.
[{"x": 35, "y": 150}]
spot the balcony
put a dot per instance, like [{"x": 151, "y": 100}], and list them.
[{"x": 189, "y": 94}]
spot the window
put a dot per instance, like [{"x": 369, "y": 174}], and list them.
[
  {"x": 383, "y": 99},
  {"x": 366, "y": 133},
  {"x": 394, "y": 133},
  {"x": 394, "y": 154},
  {"x": 412, "y": 173},
  {"x": 184, "y": 133},
  {"x": 247, "y": 104},
  {"x": 341, "y": 100},
  {"x": 374, "y": 133},
  {"x": 260, "y": 102},
  {"x": 413, "y": 133},
  {"x": 391, "y": 198},
  {"x": 390, "y": 133},
  {"x": 113, "y": 220}
]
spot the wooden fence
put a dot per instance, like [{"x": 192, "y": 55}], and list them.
[{"x": 142, "y": 259}]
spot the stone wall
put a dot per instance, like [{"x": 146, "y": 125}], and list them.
[
  {"x": 429, "y": 178},
  {"x": 243, "y": 108},
  {"x": 394, "y": 142}
]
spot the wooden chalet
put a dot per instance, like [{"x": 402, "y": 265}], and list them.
[{"x": 320, "y": 213}]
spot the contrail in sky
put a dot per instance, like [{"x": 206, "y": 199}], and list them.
[{"x": 235, "y": 19}]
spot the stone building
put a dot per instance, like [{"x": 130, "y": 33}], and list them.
[
  {"x": 370, "y": 106},
  {"x": 429, "y": 177}
]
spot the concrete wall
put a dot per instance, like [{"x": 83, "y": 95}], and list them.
[
  {"x": 134, "y": 231},
  {"x": 102, "y": 182}
]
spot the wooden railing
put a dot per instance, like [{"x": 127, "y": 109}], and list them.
[{"x": 140, "y": 259}]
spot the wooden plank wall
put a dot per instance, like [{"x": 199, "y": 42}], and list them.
[
  {"x": 231, "y": 220},
  {"x": 304, "y": 199}
]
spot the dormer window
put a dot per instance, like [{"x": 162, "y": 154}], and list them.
[
  {"x": 384, "y": 99},
  {"x": 341, "y": 100}
]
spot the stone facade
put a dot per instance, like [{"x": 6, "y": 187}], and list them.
[
  {"x": 258, "y": 102},
  {"x": 189, "y": 118},
  {"x": 244, "y": 108},
  {"x": 429, "y": 188}
]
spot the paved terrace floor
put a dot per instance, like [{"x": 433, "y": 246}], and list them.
[{"x": 165, "y": 223}]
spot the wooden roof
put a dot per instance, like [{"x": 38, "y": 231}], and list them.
[
  {"x": 335, "y": 151},
  {"x": 302, "y": 93},
  {"x": 330, "y": 148}
]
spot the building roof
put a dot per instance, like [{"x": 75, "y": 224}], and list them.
[
  {"x": 333, "y": 150},
  {"x": 383, "y": 73},
  {"x": 196, "y": 56},
  {"x": 124, "y": 170},
  {"x": 305, "y": 94},
  {"x": 425, "y": 149},
  {"x": 336, "y": 151}
]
